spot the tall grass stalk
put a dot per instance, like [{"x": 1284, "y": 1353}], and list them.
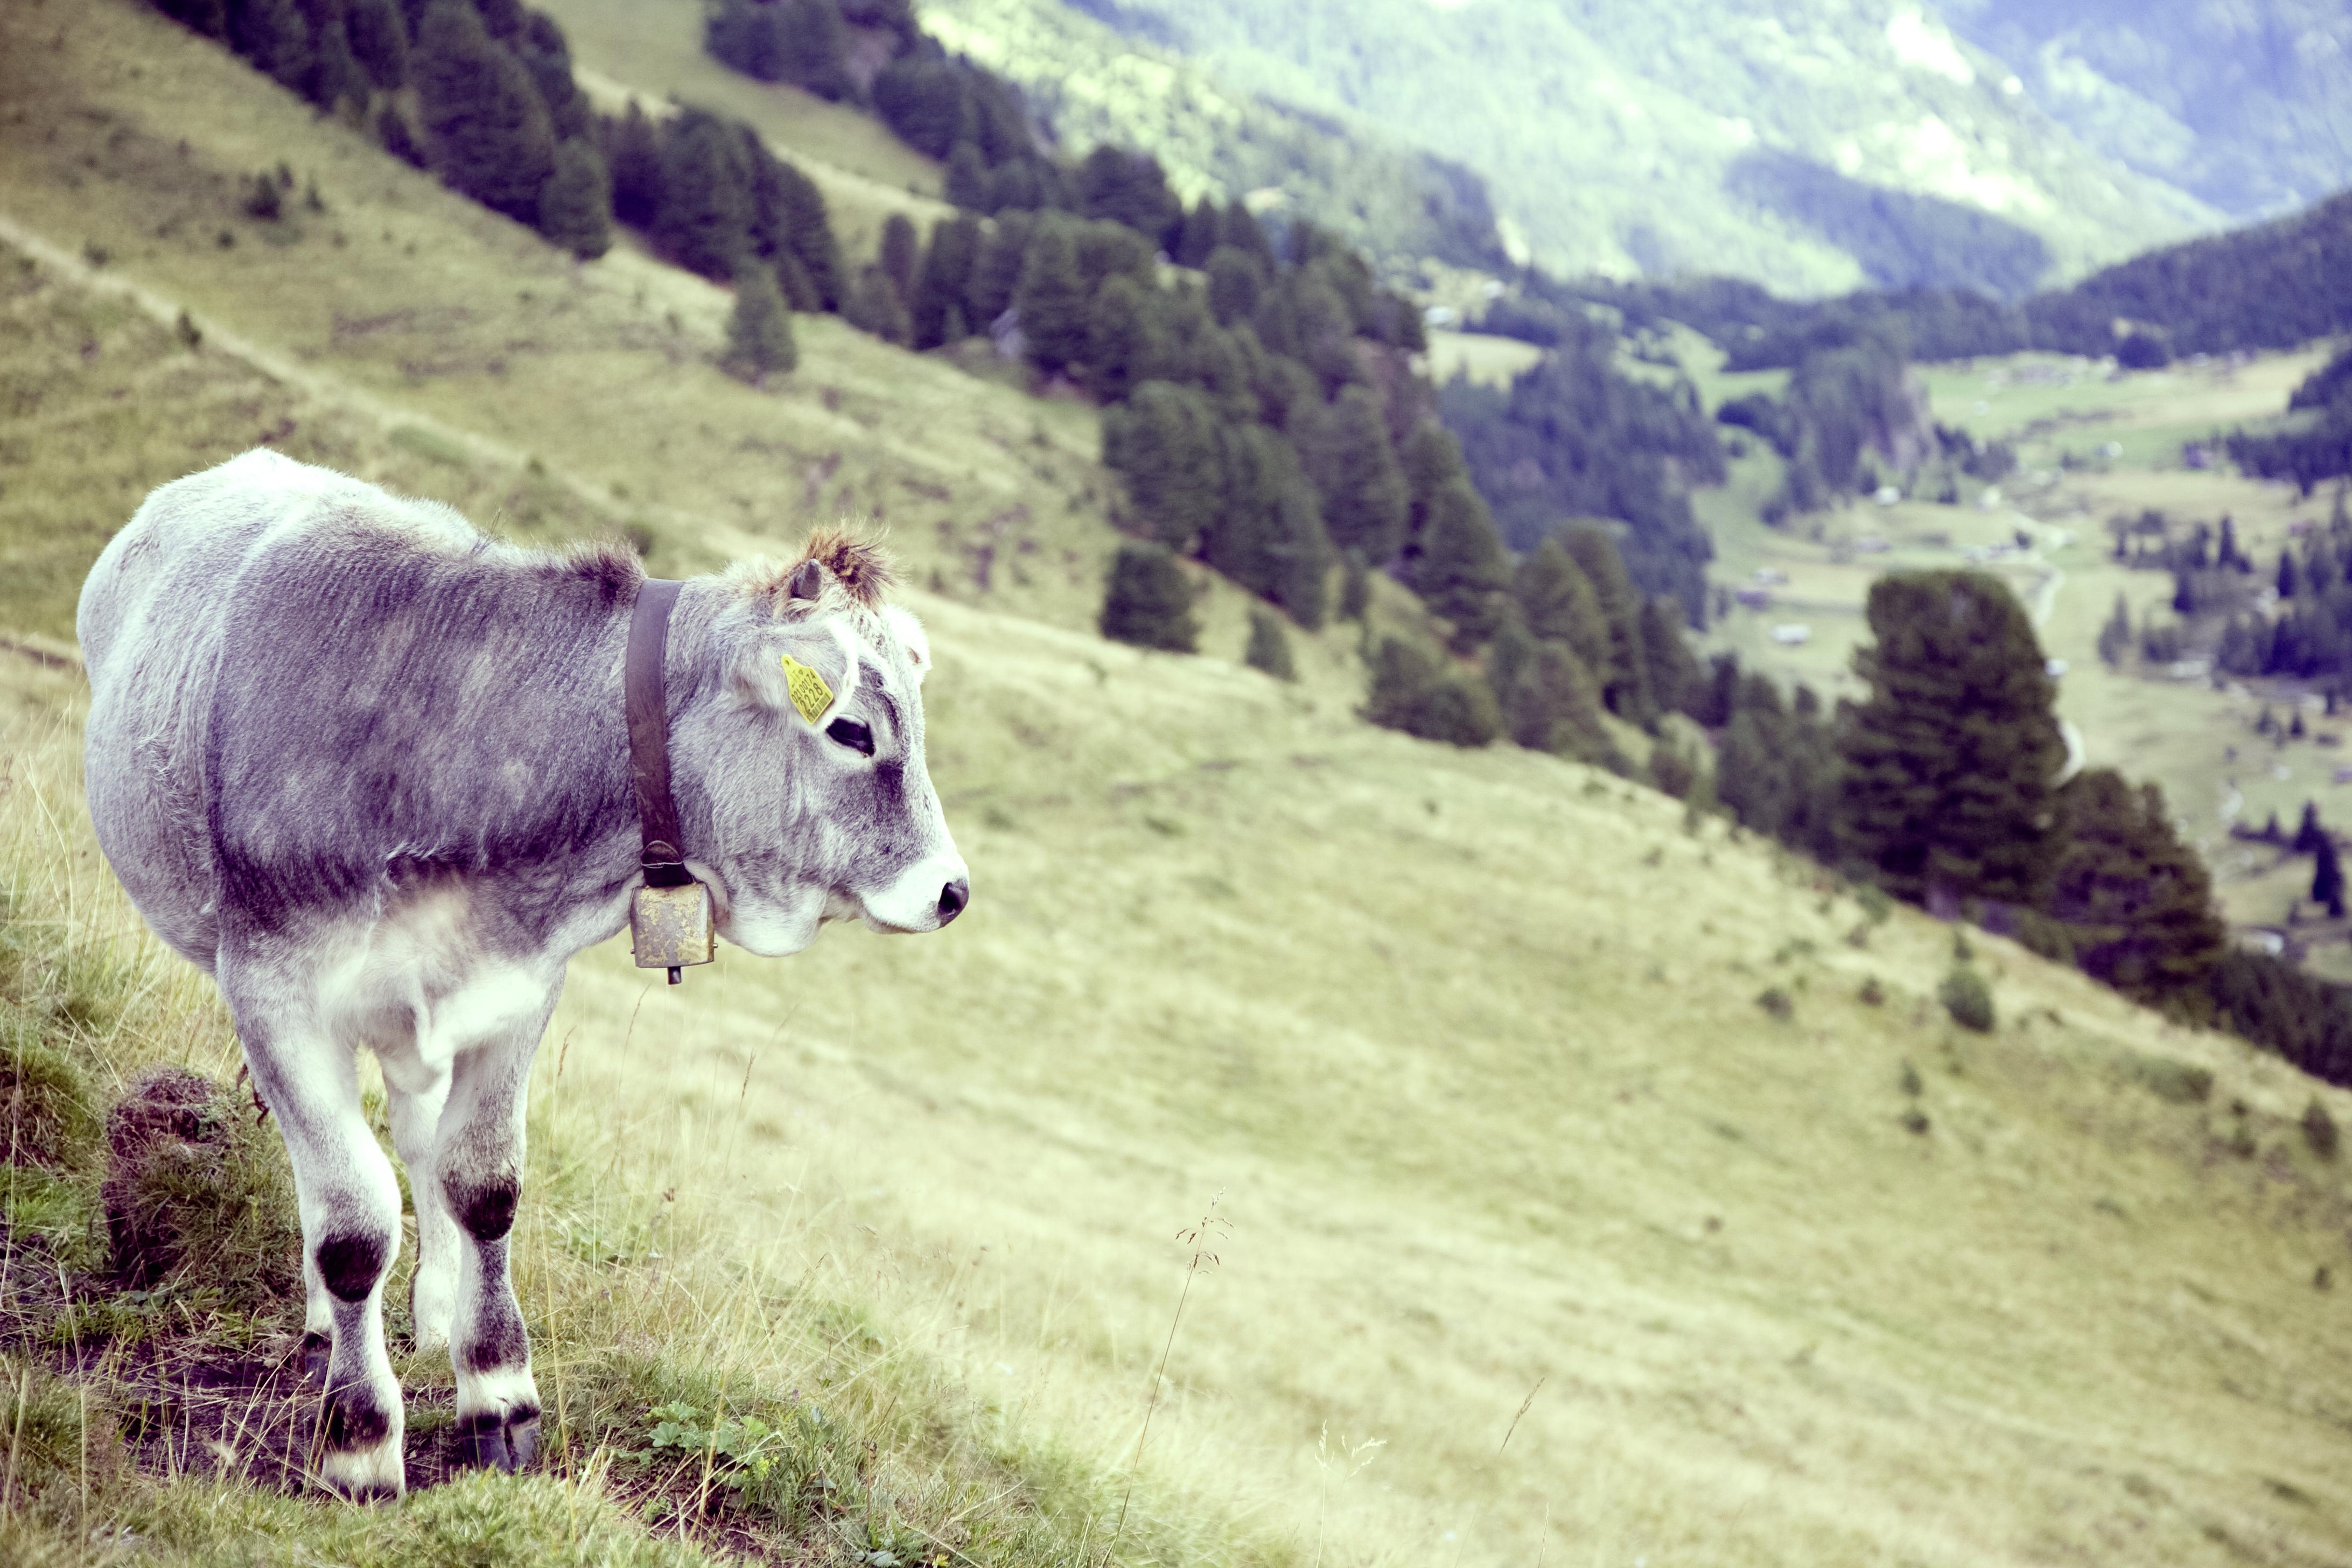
[{"x": 1210, "y": 1229}]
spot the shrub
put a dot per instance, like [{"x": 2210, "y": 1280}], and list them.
[
  {"x": 1967, "y": 997},
  {"x": 1911, "y": 1086},
  {"x": 46, "y": 1117},
  {"x": 1270, "y": 648},
  {"x": 759, "y": 329},
  {"x": 1412, "y": 692},
  {"x": 1776, "y": 1002},
  {"x": 1915, "y": 1121},
  {"x": 2178, "y": 1083},
  {"x": 196, "y": 1191},
  {"x": 1147, "y": 603},
  {"x": 1872, "y": 994},
  {"x": 2319, "y": 1130}
]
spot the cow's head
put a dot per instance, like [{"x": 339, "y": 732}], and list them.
[{"x": 814, "y": 799}]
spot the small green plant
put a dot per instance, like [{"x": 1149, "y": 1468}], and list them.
[
  {"x": 1876, "y": 907},
  {"x": 1967, "y": 997},
  {"x": 2319, "y": 1130},
  {"x": 1270, "y": 648},
  {"x": 190, "y": 336},
  {"x": 264, "y": 197},
  {"x": 1961, "y": 951},
  {"x": 1776, "y": 1002},
  {"x": 1915, "y": 1121},
  {"x": 2177, "y": 1083},
  {"x": 1910, "y": 1080},
  {"x": 765, "y": 1468},
  {"x": 1872, "y": 994}
]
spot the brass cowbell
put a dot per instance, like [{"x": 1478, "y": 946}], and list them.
[{"x": 670, "y": 928}]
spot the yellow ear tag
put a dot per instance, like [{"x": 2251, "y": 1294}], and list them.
[{"x": 809, "y": 694}]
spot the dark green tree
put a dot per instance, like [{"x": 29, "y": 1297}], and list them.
[
  {"x": 1462, "y": 571},
  {"x": 1147, "y": 603},
  {"x": 504, "y": 18},
  {"x": 1355, "y": 586},
  {"x": 1364, "y": 492},
  {"x": 1052, "y": 299},
  {"x": 1553, "y": 704},
  {"x": 966, "y": 181},
  {"x": 1411, "y": 691},
  {"x": 1239, "y": 227},
  {"x": 1560, "y": 604},
  {"x": 1625, "y": 676},
  {"x": 1236, "y": 281},
  {"x": 874, "y": 306},
  {"x": 1432, "y": 459},
  {"x": 705, "y": 221},
  {"x": 1949, "y": 766},
  {"x": 546, "y": 53},
  {"x": 2308, "y": 834},
  {"x": 2115, "y": 636},
  {"x": 633, "y": 155},
  {"x": 939, "y": 303},
  {"x": 379, "y": 41},
  {"x": 575, "y": 206},
  {"x": 1198, "y": 238},
  {"x": 901, "y": 251},
  {"x": 1269, "y": 646},
  {"x": 996, "y": 275},
  {"x": 2327, "y": 879},
  {"x": 336, "y": 75},
  {"x": 1163, "y": 443},
  {"x": 1675, "y": 682},
  {"x": 2139, "y": 901},
  {"x": 275, "y": 36},
  {"x": 485, "y": 127},
  {"x": 759, "y": 329},
  {"x": 1129, "y": 188}
]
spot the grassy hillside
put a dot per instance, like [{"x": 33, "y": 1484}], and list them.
[
  {"x": 1525, "y": 1183},
  {"x": 1814, "y": 147}
]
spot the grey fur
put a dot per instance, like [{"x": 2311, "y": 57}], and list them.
[{"x": 368, "y": 768}]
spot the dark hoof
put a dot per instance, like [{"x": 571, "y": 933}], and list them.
[
  {"x": 490, "y": 1443},
  {"x": 316, "y": 1350}
]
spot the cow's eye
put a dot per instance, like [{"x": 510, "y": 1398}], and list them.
[{"x": 853, "y": 734}]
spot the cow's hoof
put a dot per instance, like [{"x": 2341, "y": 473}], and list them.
[
  {"x": 317, "y": 1349},
  {"x": 494, "y": 1441},
  {"x": 370, "y": 1474}
]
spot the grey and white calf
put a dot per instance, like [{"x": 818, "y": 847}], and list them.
[{"x": 368, "y": 769}]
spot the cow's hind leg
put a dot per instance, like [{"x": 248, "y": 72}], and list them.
[
  {"x": 351, "y": 1216},
  {"x": 480, "y": 1160}
]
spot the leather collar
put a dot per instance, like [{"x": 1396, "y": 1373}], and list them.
[{"x": 647, "y": 704}]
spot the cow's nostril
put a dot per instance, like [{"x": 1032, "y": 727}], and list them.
[{"x": 952, "y": 899}]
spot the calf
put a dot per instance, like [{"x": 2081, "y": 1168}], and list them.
[{"x": 370, "y": 769}]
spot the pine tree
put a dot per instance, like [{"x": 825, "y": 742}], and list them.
[
  {"x": 1163, "y": 443},
  {"x": 946, "y": 274},
  {"x": 1355, "y": 469},
  {"x": 1236, "y": 281},
  {"x": 1052, "y": 299},
  {"x": 901, "y": 251},
  {"x": 633, "y": 155},
  {"x": 1949, "y": 765},
  {"x": 275, "y": 36},
  {"x": 966, "y": 183},
  {"x": 2328, "y": 880},
  {"x": 379, "y": 41},
  {"x": 486, "y": 129},
  {"x": 759, "y": 329},
  {"x": 2140, "y": 901},
  {"x": 393, "y": 134},
  {"x": 1675, "y": 683},
  {"x": 336, "y": 76},
  {"x": 546, "y": 53},
  {"x": 1129, "y": 189},
  {"x": 874, "y": 306},
  {"x": 1124, "y": 344},
  {"x": 1197, "y": 238},
  {"x": 1147, "y": 603},
  {"x": 1411, "y": 693},
  {"x": 1355, "y": 586},
  {"x": 2308, "y": 834},
  {"x": 2115, "y": 636},
  {"x": 996, "y": 275},
  {"x": 705, "y": 218},
  {"x": 1462, "y": 571},
  {"x": 1432, "y": 459},
  {"x": 1560, "y": 604},
  {"x": 1238, "y": 227},
  {"x": 1625, "y": 673},
  {"x": 1269, "y": 646},
  {"x": 2286, "y": 576},
  {"x": 575, "y": 208},
  {"x": 1553, "y": 705},
  {"x": 503, "y": 19}
]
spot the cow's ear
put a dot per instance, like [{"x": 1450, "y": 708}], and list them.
[
  {"x": 910, "y": 633},
  {"x": 807, "y": 581},
  {"x": 790, "y": 675}
]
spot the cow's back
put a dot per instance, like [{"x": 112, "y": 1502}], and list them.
[{"x": 153, "y": 625}]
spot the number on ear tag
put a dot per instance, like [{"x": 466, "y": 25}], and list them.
[{"x": 809, "y": 694}]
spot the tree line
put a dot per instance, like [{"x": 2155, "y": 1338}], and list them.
[
  {"x": 479, "y": 91},
  {"x": 2315, "y": 450}
]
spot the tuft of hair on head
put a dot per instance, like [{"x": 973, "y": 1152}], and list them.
[{"x": 857, "y": 562}]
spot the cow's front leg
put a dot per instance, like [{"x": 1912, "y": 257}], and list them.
[
  {"x": 480, "y": 1159},
  {"x": 349, "y": 1205},
  {"x": 416, "y": 1102}
]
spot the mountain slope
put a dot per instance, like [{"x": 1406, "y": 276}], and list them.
[
  {"x": 1617, "y": 137},
  {"x": 2245, "y": 107}
]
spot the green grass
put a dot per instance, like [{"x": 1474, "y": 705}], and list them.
[{"x": 1465, "y": 1046}]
